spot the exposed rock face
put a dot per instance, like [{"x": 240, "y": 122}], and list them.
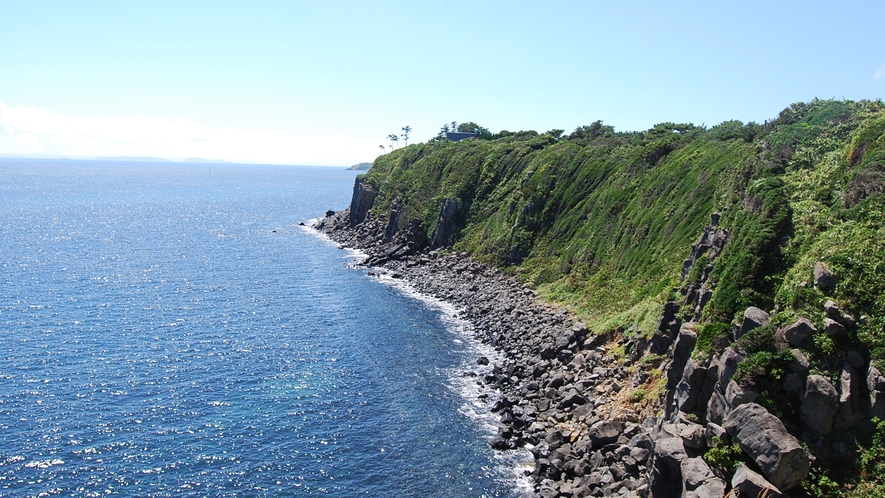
[
  {"x": 693, "y": 377},
  {"x": 446, "y": 223},
  {"x": 850, "y": 397},
  {"x": 819, "y": 404},
  {"x": 876, "y": 386},
  {"x": 712, "y": 240},
  {"x": 778, "y": 454},
  {"x": 363, "y": 199},
  {"x": 666, "y": 477}
]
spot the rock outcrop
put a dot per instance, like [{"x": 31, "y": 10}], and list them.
[{"x": 775, "y": 451}]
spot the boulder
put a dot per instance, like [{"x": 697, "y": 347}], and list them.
[
  {"x": 605, "y": 432},
  {"x": 753, "y": 319},
  {"x": 799, "y": 333},
  {"x": 876, "y": 386},
  {"x": 666, "y": 473},
  {"x": 693, "y": 435},
  {"x": 752, "y": 485},
  {"x": 850, "y": 397},
  {"x": 717, "y": 408},
  {"x": 799, "y": 363},
  {"x": 819, "y": 404},
  {"x": 834, "y": 328},
  {"x": 776, "y": 452},
  {"x": 715, "y": 430},
  {"x": 824, "y": 279},
  {"x": 735, "y": 395},
  {"x": 832, "y": 309},
  {"x": 698, "y": 481}
]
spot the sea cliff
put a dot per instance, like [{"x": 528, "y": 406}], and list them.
[{"x": 683, "y": 311}]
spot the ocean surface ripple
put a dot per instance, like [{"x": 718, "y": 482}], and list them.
[{"x": 169, "y": 330}]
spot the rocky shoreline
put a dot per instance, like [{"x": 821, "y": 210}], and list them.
[
  {"x": 560, "y": 387},
  {"x": 630, "y": 413}
]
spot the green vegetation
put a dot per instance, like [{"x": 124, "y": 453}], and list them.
[
  {"x": 724, "y": 456},
  {"x": 600, "y": 220}
]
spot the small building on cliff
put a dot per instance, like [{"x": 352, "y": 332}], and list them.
[{"x": 457, "y": 136}]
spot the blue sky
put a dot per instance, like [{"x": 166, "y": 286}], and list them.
[{"x": 325, "y": 82}]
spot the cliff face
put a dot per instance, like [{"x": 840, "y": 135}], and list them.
[{"x": 776, "y": 302}]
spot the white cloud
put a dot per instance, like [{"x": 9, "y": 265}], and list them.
[
  {"x": 29, "y": 130},
  {"x": 880, "y": 73}
]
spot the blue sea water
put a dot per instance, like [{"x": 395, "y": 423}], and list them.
[{"x": 169, "y": 330}]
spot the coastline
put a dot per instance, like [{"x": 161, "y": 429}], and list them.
[{"x": 559, "y": 387}]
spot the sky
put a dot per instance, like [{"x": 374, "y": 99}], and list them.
[{"x": 324, "y": 83}]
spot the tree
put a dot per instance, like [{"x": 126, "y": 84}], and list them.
[
  {"x": 382, "y": 148},
  {"x": 393, "y": 139},
  {"x": 471, "y": 127},
  {"x": 591, "y": 131},
  {"x": 405, "y": 135}
]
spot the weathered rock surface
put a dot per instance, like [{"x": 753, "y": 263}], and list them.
[
  {"x": 775, "y": 451},
  {"x": 819, "y": 404},
  {"x": 363, "y": 199},
  {"x": 798, "y": 334},
  {"x": 876, "y": 386},
  {"x": 751, "y": 484},
  {"x": 699, "y": 481},
  {"x": 666, "y": 477},
  {"x": 753, "y": 319}
]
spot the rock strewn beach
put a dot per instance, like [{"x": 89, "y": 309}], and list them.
[{"x": 560, "y": 387}]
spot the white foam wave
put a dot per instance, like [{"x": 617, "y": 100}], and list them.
[
  {"x": 355, "y": 255},
  {"x": 465, "y": 380}
]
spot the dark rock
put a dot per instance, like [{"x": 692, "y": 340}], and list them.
[
  {"x": 819, "y": 404},
  {"x": 824, "y": 279},
  {"x": 717, "y": 408},
  {"x": 876, "y": 386},
  {"x": 735, "y": 395},
  {"x": 666, "y": 470},
  {"x": 753, "y": 318},
  {"x": 499, "y": 443},
  {"x": 699, "y": 481},
  {"x": 776, "y": 452},
  {"x": 799, "y": 363},
  {"x": 660, "y": 343},
  {"x": 712, "y": 430},
  {"x": 832, "y": 310},
  {"x": 482, "y": 360},
  {"x": 447, "y": 223},
  {"x": 850, "y": 398},
  {"x": 605, "y": 432},
  {"x": 834, "y": 328},
  {"x": 799, "y": 333},
  {"x": 856, "y": 360},
  {"x": 361, "y": 203},
  {"x": 752, "y": 484},
  {"x": 693, "y": 377},
  {"x": 693, "y": 435}
]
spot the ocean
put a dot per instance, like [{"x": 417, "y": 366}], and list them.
[{"x": 169, "y": 329}]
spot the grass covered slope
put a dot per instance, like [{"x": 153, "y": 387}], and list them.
[{"x": 601, "y": 220}]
